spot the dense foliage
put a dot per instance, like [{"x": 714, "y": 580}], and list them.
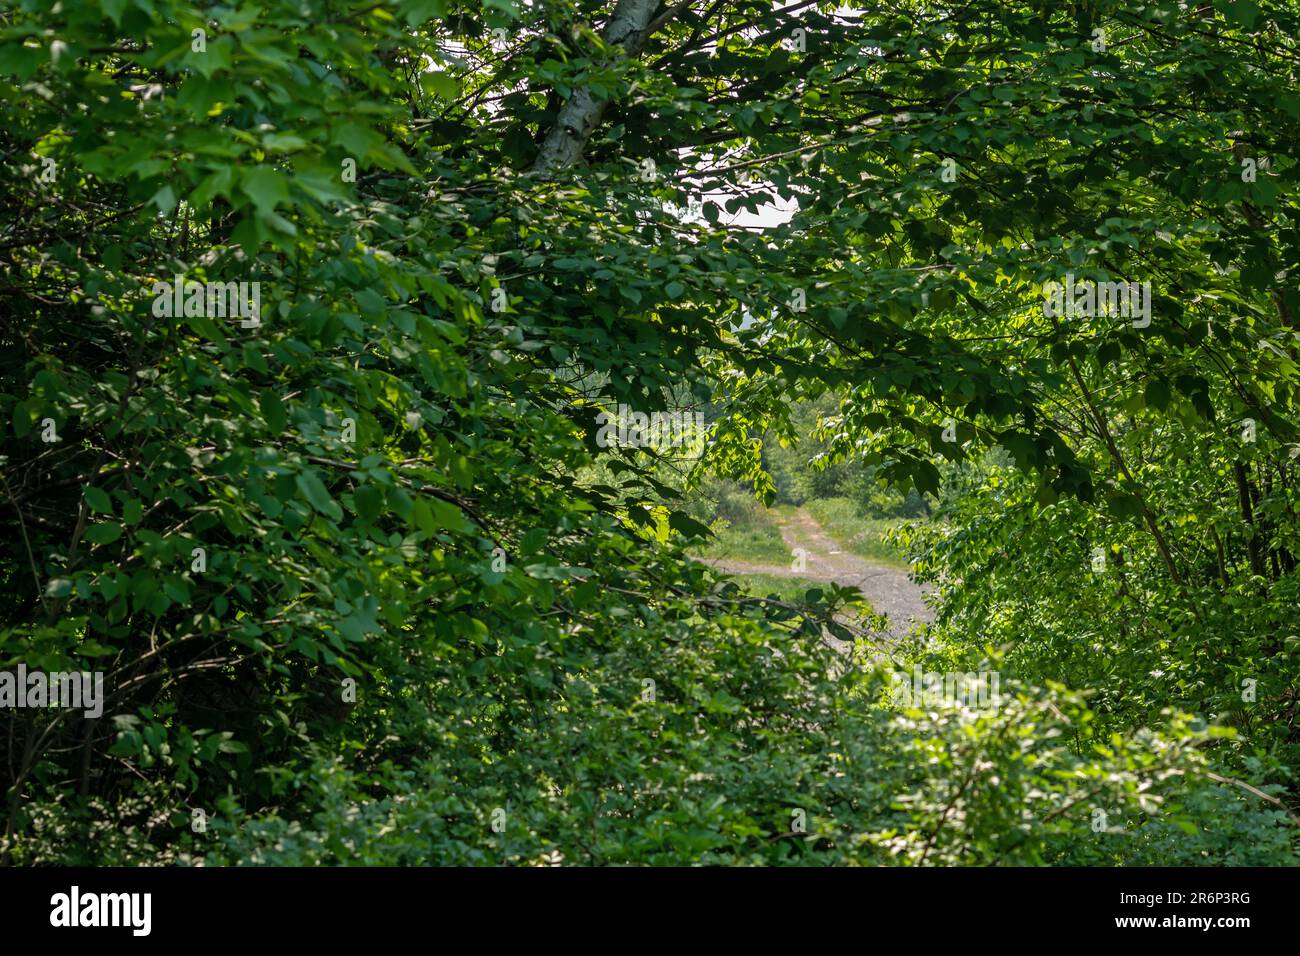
[{"x": 365, "y": 586}]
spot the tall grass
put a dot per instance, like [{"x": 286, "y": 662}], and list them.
[
  {"x": 840, "y": 518},
  {"x": 750, "y": 534}
]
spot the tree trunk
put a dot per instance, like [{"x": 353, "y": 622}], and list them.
[
  {"x": 1246, "y": 500},
  {"x": 579, "y": 117}
]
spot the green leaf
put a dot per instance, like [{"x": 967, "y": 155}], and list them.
[
  {"x": 368, "y": 502},
  {"x": 442, "y": 84},
  {"x": 272, "y": 409},
  {"x": 926, "y": 478},
  {"x": 317, "y": 495},
  {"x": 1157, "y": 394},
  {"x": 105, "y": 533},
  {"x": 418, "y": 11},
  {"x": 684, "y": 524},
  {"x": 266, "y": 187},
  {"x": 132, "y": 511},
  {"x": 98, "y": 500}
]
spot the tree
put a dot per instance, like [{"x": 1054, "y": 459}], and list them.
[{"x": 310, "y": 311}]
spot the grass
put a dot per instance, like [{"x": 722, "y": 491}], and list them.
[
  {"x": 757, "y": 540},
  {"x": 840, "y": 519},
  {"x": 765, "y": 585}
]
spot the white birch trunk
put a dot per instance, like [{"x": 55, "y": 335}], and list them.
[{"x": 579, "y": 117}]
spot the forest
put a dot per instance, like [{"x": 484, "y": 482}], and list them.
[{"x": 569, "y": 433}]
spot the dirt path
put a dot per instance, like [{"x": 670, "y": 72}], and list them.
[{"x": 889, "y": 589}]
